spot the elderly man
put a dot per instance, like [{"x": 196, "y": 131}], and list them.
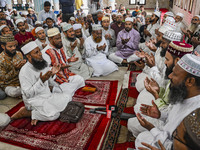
[
  {"x": 23, "y": 37},
  {"x": 41, "y": 102},
  {"x": 118, "y": 25},
  {"x": 79, "y": 32},
  {"x": 11, "y": 62},
  {"x": 183, "y": 97},
  {"x": 127, "y": 44},
  {"x": 167, "y": 14},
  {"x": 179, "y": 23},
  {"x": 96, "y": 50},
  {"x": 73, "y": 46},
  {"x": 42, "y": 41},
  {"x": 54, "y": 53}
]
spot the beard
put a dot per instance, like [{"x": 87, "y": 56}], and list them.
[
  {"x": 193, "y": 27},
  {"x": 79, "y": 36},
  {"x": 9, "y": 53},
  {"x": 158, "y": 43},
  {"x": 128, "y": 29},
  {"x": 151, "y": 20},
  {"x": 39, "y": 64},
  {"x": 178, "y": 93},
  {"x": 71, "y": 39},
  {"x": 169, "y": 70},
  {"x": 118, "y": 22},
  {"x": 163, "y": 52},
  {"x": 97, "y": 39}
]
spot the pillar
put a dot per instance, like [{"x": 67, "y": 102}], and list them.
[
  {"x": 9, "y": 3},
  {"x": 111, "y": 3},
  {"x": 56, "y": 5}
]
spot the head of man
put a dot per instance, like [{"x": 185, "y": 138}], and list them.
[
  {"x": 30, "y": 11},
  {"x": 49, "y": 22},
  {"x": 72, "y": 20},
  {"x": 47, "y": 6},
  {"x": 194, "y": 23},
  {"x": 81, "y": 20},
  {"x": 89, "y": 18},
  {"x": 97, "y": 33},
  {"x": 2, "y": 15},
  {"x": 34, "y": 55},
  {"x": 8, "y": 43},
  {"x": 20, "y": 25},
  {"x": 179, "y": 17},
  {"x": 142, "y": 8},
  {"x": 159, "y": 39},
  {"x": 69, "y": 32},
  {"x": 3, "y": 22},
  {"x": 40, "y": 34},
  {"x": 114, "y": 17},
  {"x": 55, "y": 37},
  {"x": 78, "y": 32},
  {"x": 107, "y": 10},
  {"x": 38, "y": 24},
  {"x": 6, "y": 30},
  {"x": 122, "y": 9},
  {"x": 154, "y": 17},
  {"x": 119, "y": 18},
  {"x": 105, "y": 22},
  {"x": 100, "y": 15},
  {"x": 128, "y": 24}
]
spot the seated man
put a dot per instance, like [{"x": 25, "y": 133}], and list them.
[
  {"x": 71, "y": 46},
  {"x": 127, "y": 44},
  {"x": 54, "y": 53},
  {"x": 42, "y": 41},
  {"x": 96, "y": 49},
  {"x": 41, "y": 104},
  {"x": 4, "y": 29},
  {"x": 11, "y": 62},
  {"x": 179, "y": 22}
]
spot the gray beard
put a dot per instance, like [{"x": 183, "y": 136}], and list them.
[{"x": 193, "y": 27}]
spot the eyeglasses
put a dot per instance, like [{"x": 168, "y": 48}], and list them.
[{"x": 194, "y": 19}]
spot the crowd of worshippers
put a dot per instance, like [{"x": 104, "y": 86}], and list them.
[{"x": 45, "y": 61}]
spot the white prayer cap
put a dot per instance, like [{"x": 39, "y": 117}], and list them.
[
  {"x": 157, "y": 13},
  {"x": 180, "y": 14},
  {"x": 191, "y": 64},
  {"x": 29, "y": 47},
  {"x": 96, "y": 27},
  {"x": 30, "y": 9},
  {"x": 4, "y": 119},
  {"x": 14, "y": 10},
  {"x": 72, "y": 19},
  {"x": 77, "y": 26},
  {"x": 107, "y": 14},
  {"x": 23, "y": 18},
  {"x": 168, "y": 25},
  {"x": 105, "y": 18},
  {"x": 99, "y": 10},
  {"x": 114, "y": 13},
  {"x": 67, "y": 27},
  {"x": 62, "y": 24},
  {"x": 38, "y": 29},
  {"x": 37, "y": 22},
  {"x": 25, "y": 13},
  {"x": 172, "y": 35},
  {"x": 19, "y": 20},
  {"x": 52, "y": 32},
  {"x": 129, "y": 19},
  {"x": 119, "y": 14},
  {"x": 197, "y": 16},
  {"x": 2, "y": 27},
  {"x": 169, "y": 13}
]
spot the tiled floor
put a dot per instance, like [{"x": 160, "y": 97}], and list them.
[{"x": 8, "y": 103}]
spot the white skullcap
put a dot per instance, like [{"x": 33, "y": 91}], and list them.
[
  {"x": 67, "y": 27},
  {"x": 14, "y": 10},
  {"x": 3, "y": 26},
  {"x": 107, "y": 14},
  {"x": 169, "y": 13},
  {"x": 114, "y": 13},
  {"x": 62, "y": 24},
  {"x": 23, "y": 18},
  {"x": 105, "y": 18},
  {"x": 129, "y": 19},
  {"x": 38, "y": 29},
  {"x": 157, "y": 13},
  {"x": 52, "y": 32},
  {"x": 29, "y": 47},
  {"x": 77, "y": 26},
  {"x": 197, "y": 16},
  {"x": 18, "y": 21},
  {"x": 72, "y": 19},
  {"x": 38, "y": 22},
  {"x": 119, "y": 14},
  {"x": 172, "y": 35},
  {"x": 25, "y": 13},
  {"x": 180, "y": 14},
  {"x": 99, "y": 10},
  {"x": 168, "y": 25},
  {"x": 96, "y": 27}
]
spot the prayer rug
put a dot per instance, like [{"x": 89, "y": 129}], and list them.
[
  {"x": 132, "y": 81},
  {"x": 55, "y": 134},
  {"x": 105, "y": 93}
]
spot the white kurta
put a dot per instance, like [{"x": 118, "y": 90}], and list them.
[
  {"x": 37, "y": 96},
  {"x": 78, "y": 67},
  {"x": 174, "y": 117},
  {"x": 179, "y": 25},
  {"x": 151, "y": 28},
  {"x": 39, "y": 43},
  {"x": 97, "y": 59}
]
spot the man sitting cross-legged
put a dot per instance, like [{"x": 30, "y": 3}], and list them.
[{"x": 44, "y": 99}]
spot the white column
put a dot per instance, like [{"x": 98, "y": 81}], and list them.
[
  {"x": 111, "y": 3},
  {"x": 9, "y": 4},
  {"x": 56, "y": 5}
]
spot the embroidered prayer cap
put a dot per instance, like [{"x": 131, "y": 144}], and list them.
[
  {"x": 77, "y": 26},
  {"x": 192, "y": 124},
  {"x": 168, "y": 25},
  {"x": 173, "y": 35},
  {"x": 37, "y": 22},
  {"x": 19, "y": 20},
  {"x": 67, "y": 27},
  {"x": 52, "y": 32},
  {"x": 129, "y": 19},
  {"x": 7, "y": 38},
  {"x": 72, "y": 19},
  {"x": 191, "y": 64},
  {"x": 105, "y": 18},
  {"x": 38, "y": 29},
  {"x": 179, "y": 48},
  {"x": 157, "y": 13},
  {"x": 96, "y": 27},
  {"x": 180, "y": 14},
  {"x": 169, "y": 13},
  {"x": 2, "y": 27},
  {"x": 29, "y": 47}
]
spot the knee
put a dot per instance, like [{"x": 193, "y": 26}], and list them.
[{"x": 2, "y": 95}]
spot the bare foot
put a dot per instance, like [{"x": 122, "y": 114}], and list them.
[
  {"x": 34, "y": 122},
  {"x": 21, "y": 113}
]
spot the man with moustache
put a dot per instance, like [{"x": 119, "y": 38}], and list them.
[
  {"x": 78, "y": 29},
  {"x": 54, "y": 53},
  {"x": 174, "y": 51},
  {"x": 96, "y": 49},
  {"x": 118, "y": 25},
  {"x": 184, "y": 98},
  {"x": 11, "y": 62},
  {"x": 127, "y": 44},
  {"x": 42, "y": 41},
  {"x": 179, "y": 21},
  {"x": 44, "y": 98},
  {"x": 73, "y": 46}
]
